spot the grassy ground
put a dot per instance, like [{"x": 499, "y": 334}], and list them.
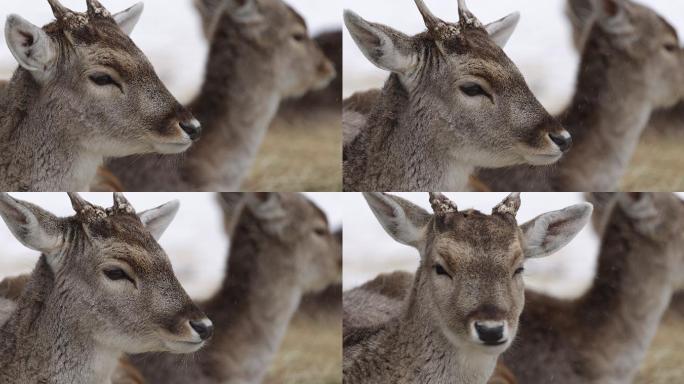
[
  {"x": 311, "y": 353},
  {"x": 301, "y": 156},
  {"x": 663, "y": 364},
  {"x": 658, "y": 164}
]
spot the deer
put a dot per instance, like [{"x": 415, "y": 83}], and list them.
[
  {"x": 453, "y": 102},
  {"x": 260, "y": 54},
  {"x": 630, "y": 67},
  {"x": 466, "y": 296},
  {"x": 83, "y": 92},
  {"x": 603, "y": 336},
  {"x": 102, "y": 287},
  {"x": 282, "y": 248}
]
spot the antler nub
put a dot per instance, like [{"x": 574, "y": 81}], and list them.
[
  {"x": 441, "y": 204},
  {"x": 96, "y": 9},
  {"x": 432, "y": 22},
  {"x": 121, "y": 204},
  {"x": 58, "y": 9},
  {"x": 509, "y": 206},
  {"x": 466, "y": 17}
]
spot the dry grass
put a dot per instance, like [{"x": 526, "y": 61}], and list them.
[
  {"x": 658, "y": 164},
  {"x": 311, "y": 353},
  {"x": 301, "y": 155},
  {"x": 663, "y": 364}
]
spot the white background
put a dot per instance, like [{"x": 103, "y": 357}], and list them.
[
  {"x": 541, "y": 46},
  {"x": 195, "y": 241}
]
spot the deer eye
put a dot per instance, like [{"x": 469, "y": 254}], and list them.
[
  {"x": 671, "y": 47},
  {"x": 299, "y": 37},
  {"x": 321, "y": 231},
  {"x": 473, "y": 90},
  {"x": 519, "y": 271},
  {"x": 103, "y": 80},
  {"x": 440, "y": 271},
  {"x": 117, "y": 274}
]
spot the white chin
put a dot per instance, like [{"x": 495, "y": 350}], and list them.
[
  {"x": 172, "y": 148},
  {"x": 181, "y": 347},
  {"x": 538, "y": 160}
]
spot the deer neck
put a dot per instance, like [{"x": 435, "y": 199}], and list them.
[
  {"x": 39, "y": 150},
  {"x": 253, "y": 308},
  {"x": 608, "y": 114},
  {"x": 49, "y": 344},
  {"x": 424, "y": 340},
  {"x": 399, "y": 129},
  {"x": 632, "y": 291},
  {"x": 236, "y": 105}
]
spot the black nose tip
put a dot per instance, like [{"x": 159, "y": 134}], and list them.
[
  {"x": 562, "y": 140},
  {"x": 192, "y": 127},
  {"x": 490, "y": 335},
  {"x": 203, "y": 328}
]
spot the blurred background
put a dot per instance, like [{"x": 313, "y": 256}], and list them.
[{"x": 195, "y": 241}]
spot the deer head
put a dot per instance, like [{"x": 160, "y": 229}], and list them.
[
  {"x": 88, "y": 68},
  {"x": 128, "y": 295},
  {"x": 470, "y": 274},
  {"x": 649, "y": 45},
  {"x": 280, "y": 46},
  {"x": 459, "y": 75}
]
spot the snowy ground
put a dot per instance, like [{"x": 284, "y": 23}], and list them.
[
  {"x": 194, "y": 241},
  {"x": 169, "y": 33},
  {"x": 541, "y": 46}
]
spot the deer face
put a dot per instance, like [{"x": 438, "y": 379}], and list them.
[
  {"x": 114, "y": 275},
  {"x": 314, "y": 255},
  {"x": 459, "y": 76},
  {"x": 88, "y": 66},
  {"x": 284, "y": 50},
  {"x": 470, "y": 276}
]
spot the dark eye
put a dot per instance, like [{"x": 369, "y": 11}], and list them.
[
  {"x": 103, "y": 80},
  {"x": 439, "y": 270},
  {"x": 299, "y": 37},
  {"x": 671, "y": 47},
  {"x": 321, "y": 231},
  {"x": 519, "y": 271},
  {"x": 473, "y": 90},
  {"x": 117, "y": 274}
]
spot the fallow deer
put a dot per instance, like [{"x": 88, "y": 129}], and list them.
[
  {"x": 453, "y": 102},
  {"x": 463, "y": 306},
  {"x": 102, "y": 287},
  {"x": 83, "y": 92}
]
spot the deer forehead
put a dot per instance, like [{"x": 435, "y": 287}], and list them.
[{"x": 140, "y": 258}]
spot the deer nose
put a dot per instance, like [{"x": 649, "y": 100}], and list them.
[
  {"x": 563, "y": 140},
  {"x": 192, "y": 127},
  {"x": 204, "y": 328},
  {"x": 491, "y": 332}
]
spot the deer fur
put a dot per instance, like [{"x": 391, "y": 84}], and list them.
[
  {"x": 603, "y": 336},
  {"x": 96, "y": 293},
  {"x": 282, "y": 248},
  {"x": 260, "y": 54},
  {"x": 631, "y": 66},
  {"x": 469, "y": 279},
  {"x": 83, "y": 91},
  {"x": 453, "y": 101}
]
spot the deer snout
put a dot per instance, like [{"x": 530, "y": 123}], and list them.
[
  {"x": 562, "y": 139},
  {"x": 192, "y": 127},
  {"x": 204, "y": 328},
  {"x": 490, "y": 332}
]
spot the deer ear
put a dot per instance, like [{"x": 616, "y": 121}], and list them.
[
  {"x": 552, "y": 231},
  {"x": 32, "y": 226},
  {"x": 612, "y": 16},
  {"x": 157, "y": 220},
  {"x": 384, "y": 47},
  {"x": 580, "y": 13},
  {"x": 401, "y": 219},
  {"x": 128, "y": 19},
  {"x": 30, "y": 45},
  {"x": 501, "y": 31}
]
